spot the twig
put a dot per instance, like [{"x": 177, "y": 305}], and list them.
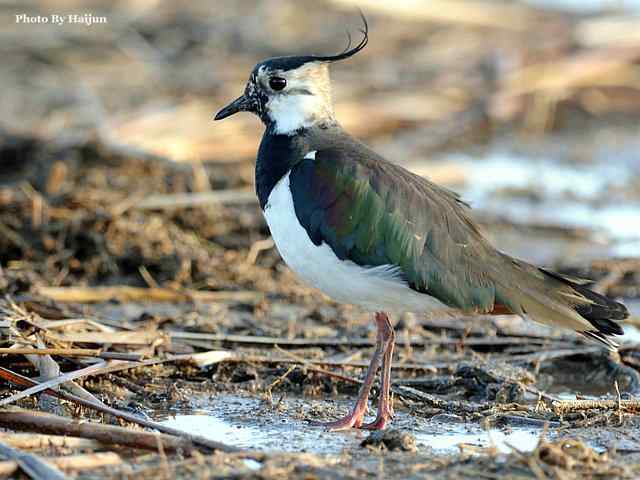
[
  {"x": 73, "y": 352},
  {"x": 517, "y": 420},
  {"x": 145, "y": 337},
  {"x": 546, "y": 355},
  {"x": 616, "y": 272},
  {"x": 566, "y": 406},
  {"x": 70, "y": 462},
  {"x": 31, "y": 464},
  {"x": 132, "y": 294},
  {"x": 208, "y": 358},
  {"x": 539, "y": 393},
  {"x": 45, "y": 364},
  {"x": 256, "y": 248},
  {"x": 39, "y": 422},
  {"x": 148, "y": 278},
  {"x": 307, "y": 365},
  {"x": 204, "y": 359},
  {"x": 350, "y": 342},
  {"x": 92, "y": 369},
  {"x": 196, "y": 439},
  {"x": 619, "y": 398},
  {"x": 34, "y": 440},
  {"x": 278, "y": 381},
  {"x": 86, "y": 462},
  {"x": 431, "y": 400}
]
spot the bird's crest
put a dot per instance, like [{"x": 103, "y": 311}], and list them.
[{"x": 348, "y": 52}]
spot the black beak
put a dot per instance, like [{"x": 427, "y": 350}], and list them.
[{"x": 240, "y": 104}]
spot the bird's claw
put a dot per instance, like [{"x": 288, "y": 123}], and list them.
[{"x": 352, "y": 420}]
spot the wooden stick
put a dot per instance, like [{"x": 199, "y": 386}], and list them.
[
  {"x": 352, "y": 342},
  {"x": 204, "y": 359},
  {"x": 110, "y": 434},
  {"x": 8, "y": 467},
  {"x": 208, "y": 358},
  {"x": 322, "y": 371},
  {"x": 73, "y": 352},
  {"x": 52, "y": 383},
  {"x": 115, "y": 366},
  {"x": 135, "y": 337},
  {"x": 88, "y": 461},
  {"x": 546, "y": 355},
  {"x": 33, "y": 440},
  {"x": 133, "y": 294},
  {"x": 195, "y": 439},
  {"x": 566, "y": 406},
  {"x": 31, "y": 464}
]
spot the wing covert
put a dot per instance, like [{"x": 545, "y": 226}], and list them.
[{"x": 374, "y": 213}]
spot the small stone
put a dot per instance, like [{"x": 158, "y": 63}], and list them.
[
  {"x": 390, "y": 440},
  {"x": 447, "y": 418},
  {"x": 510, "y": 393}
]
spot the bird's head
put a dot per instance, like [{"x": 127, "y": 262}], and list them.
[{"x": 291, "y": 93}]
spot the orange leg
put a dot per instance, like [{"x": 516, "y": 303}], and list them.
[
  {"x": 383, "y": 353},
  {"x": 385, "y": 409}
]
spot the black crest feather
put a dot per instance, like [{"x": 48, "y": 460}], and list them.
[
  {"x": 349, "y": 52},
  {"x": 293, "y": 62}
]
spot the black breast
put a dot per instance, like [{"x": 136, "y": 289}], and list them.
[{"x": 276, "y": 156}]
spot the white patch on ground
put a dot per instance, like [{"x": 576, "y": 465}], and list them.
[
  {"x": 523, "y": 439},
  {"x": 378, "y": 288},
  {"x": 247, "y": 423},
  {"x": 447, "y": 441}
]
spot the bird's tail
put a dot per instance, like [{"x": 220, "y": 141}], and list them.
[{"x": 557, "y": 300}]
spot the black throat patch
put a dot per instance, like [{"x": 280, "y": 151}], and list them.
[{"x": 276, "y": 156}]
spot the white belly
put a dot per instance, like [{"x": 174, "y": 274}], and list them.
[{"x": 380, "y": 288}]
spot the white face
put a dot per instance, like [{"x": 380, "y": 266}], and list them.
[{"x": 303, "y": 102}]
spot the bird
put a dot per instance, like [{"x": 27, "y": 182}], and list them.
[{"x": 367, "y": 232}]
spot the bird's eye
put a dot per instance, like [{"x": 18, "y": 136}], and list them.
[{"x": 277, "y": 83}]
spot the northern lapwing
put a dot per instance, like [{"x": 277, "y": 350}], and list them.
[{"x": 368, "y": 232}]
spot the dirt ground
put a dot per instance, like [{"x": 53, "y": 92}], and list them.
[{"x": 132, "y": 246}]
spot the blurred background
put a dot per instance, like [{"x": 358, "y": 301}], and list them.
[{"x": 113, "y": 172}]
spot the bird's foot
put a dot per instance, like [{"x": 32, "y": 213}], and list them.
[
  {"x": 352, "y": 420},
  {"x": 380, "y": 423},
  {"x": 355, "y": 420}
]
